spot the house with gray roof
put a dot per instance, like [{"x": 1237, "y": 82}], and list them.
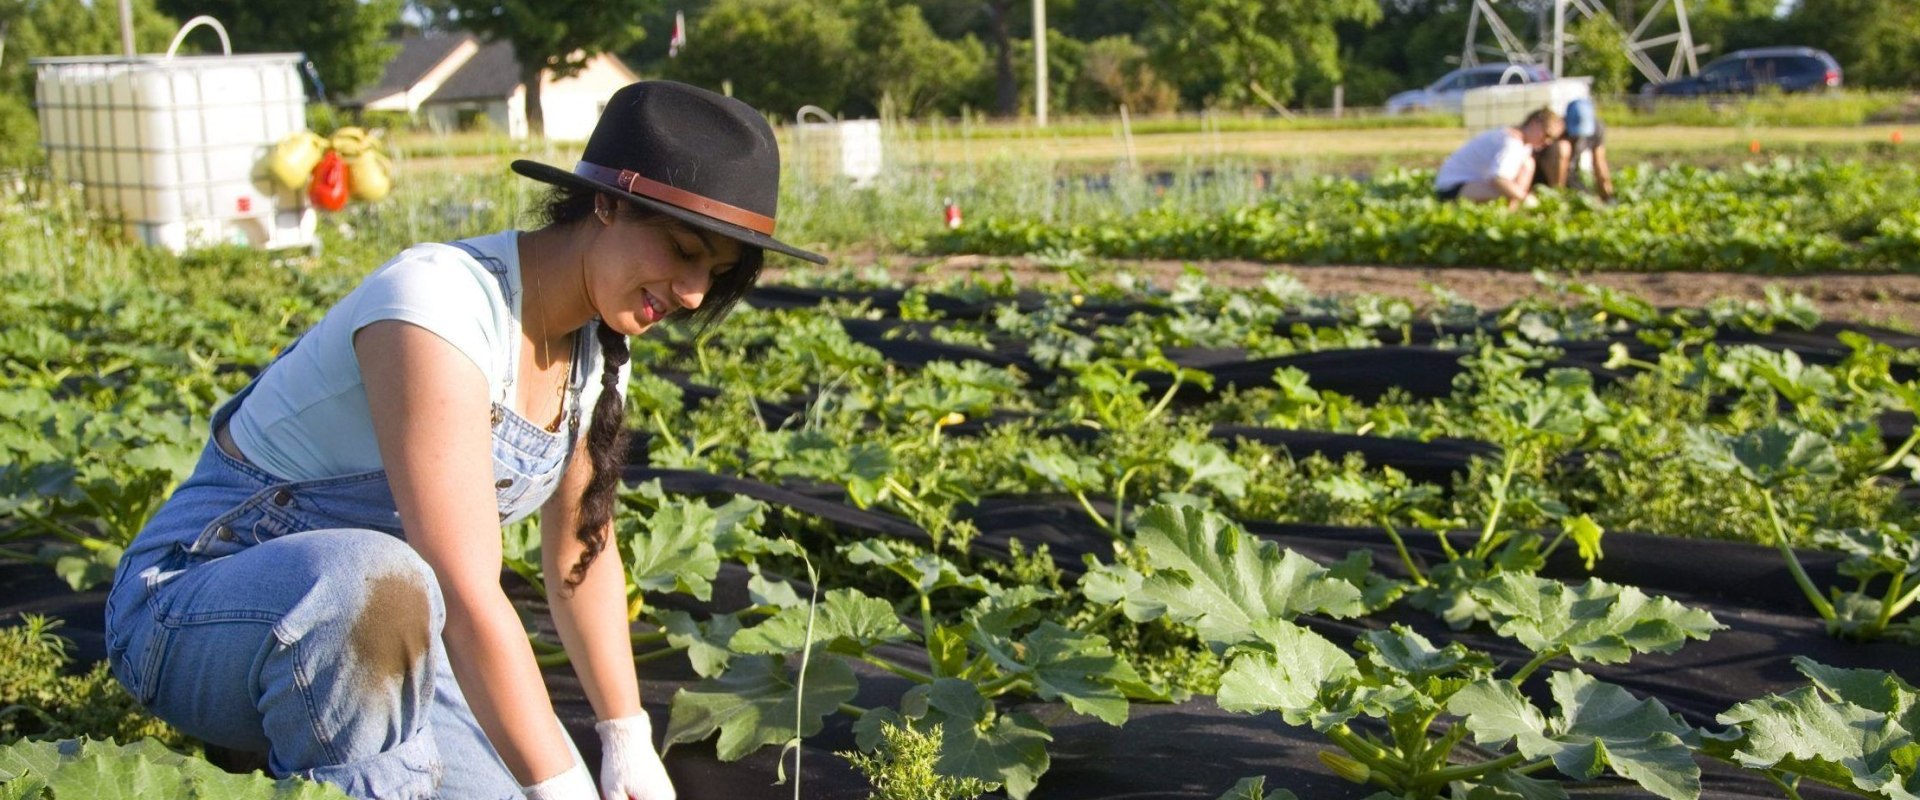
[{"x": 455, "y": 82}]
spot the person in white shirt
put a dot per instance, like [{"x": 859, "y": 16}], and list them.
[
  {"x": 325, "y": 588},
  {"x": 1498, "y": 164}
]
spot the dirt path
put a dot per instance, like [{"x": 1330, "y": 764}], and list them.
[{"x": 1892, "y": 300}]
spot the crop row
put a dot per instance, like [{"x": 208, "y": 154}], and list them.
[{"x": 1783, "y": 218}]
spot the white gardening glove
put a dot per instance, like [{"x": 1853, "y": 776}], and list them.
[
  {"x": 629, "y": 767},
  {"x": 574, "y": 784}
]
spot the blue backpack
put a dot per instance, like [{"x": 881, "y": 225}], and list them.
[{"x": 1581, "y": 120}]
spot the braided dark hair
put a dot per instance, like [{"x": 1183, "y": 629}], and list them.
[{"x": 607, "y": 431}]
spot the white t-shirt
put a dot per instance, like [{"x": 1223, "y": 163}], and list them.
[
  {"x": 308, "y": 418},
  {"x": 1497, "y": 153}
]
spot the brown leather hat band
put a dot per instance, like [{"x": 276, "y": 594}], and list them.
[{"x": 634, "y": 182}]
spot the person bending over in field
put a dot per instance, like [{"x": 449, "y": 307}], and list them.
[
  {"x": 1559, "y": 164},
  {"x": 325, "y": 587},
  {"x": 1497, "y": 165}
]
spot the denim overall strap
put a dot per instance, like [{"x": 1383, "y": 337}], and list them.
[{"x": 498, "y": 269}]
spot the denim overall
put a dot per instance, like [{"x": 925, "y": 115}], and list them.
[{"x": 292, "y": 618}]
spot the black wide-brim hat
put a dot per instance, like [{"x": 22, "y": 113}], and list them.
[{"x": 704, "y": 159}]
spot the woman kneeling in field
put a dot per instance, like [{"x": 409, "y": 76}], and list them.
[{"x": 325, "y": 588}]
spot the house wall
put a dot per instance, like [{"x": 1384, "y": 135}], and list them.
[
  {"x": 507, "y": 116},
  {"x": 571, "y": 106}
]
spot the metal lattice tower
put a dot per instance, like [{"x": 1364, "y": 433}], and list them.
[{"x": 1660, "y": 34}]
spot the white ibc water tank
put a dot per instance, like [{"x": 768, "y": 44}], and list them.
[
  {"x": 1497, "y": 106},
  {"x": 838, "y": 148},
  {"x": 168, "y": 145}
]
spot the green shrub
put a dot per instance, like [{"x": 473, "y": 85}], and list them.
[
  {"x": 44, "y": 701},
  {"x": 902, "y": 768}
]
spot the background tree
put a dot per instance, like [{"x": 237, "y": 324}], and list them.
[
  {"x": 553, "y": 36},
  {"x": 909, "y": 65},
  {"x": 779, "y": 54},
  {"x": 345, "y": 39},
  {"x": 43, "y": 28},
  {"x": 1241, "y": 52},
  {"x": 1115, "y": 71},
  {"x": 1877, "y": 42},
  {"x": 1600, "y": 51}
]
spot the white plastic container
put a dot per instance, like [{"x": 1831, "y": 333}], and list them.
[
  {"x": 1497, "y": 106},
  {"x": 835, "y": 149},
  {"x": 169, "y": 145}
]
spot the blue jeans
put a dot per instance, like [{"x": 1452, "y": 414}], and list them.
[{"x": 292, "y": 618}]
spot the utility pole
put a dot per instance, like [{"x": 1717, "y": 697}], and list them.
[
  {"x": 1559, "y": 38},
  {"x": 1039, "y": 62},
  {"x": 126, "y": 28}
]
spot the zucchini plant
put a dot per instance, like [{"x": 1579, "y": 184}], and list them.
[
  {"x": 997, "y": 646},
  {"x": 1399, "y": 709},
  {"x": 1883, "y": 561},
  {"x": 1848, "y": 728}
]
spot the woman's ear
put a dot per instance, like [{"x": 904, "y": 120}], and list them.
[{"x": 603, "y": 208}]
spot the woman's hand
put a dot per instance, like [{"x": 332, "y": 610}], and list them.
[
  {"x": 629, "y": 767},
  {"x": 574, "y": 784}
]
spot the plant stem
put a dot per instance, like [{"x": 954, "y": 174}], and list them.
[
  {"x": 852, "y": 710},
  {"x": 1375, "y": 757},
  {"x": 649, "y": 637},
  {"x": 1484, "y": 547},
  {"x": 1898, "y": 454},
  {"x": 1891, "y": 610},
  {"x": 1000, "y": 685},
  {"x": 655, "y": 655},
  {"x": 1120, "y": 502},
  {"x": 1436, "y": 754},
  {"x": 1401, "y": 546},
  {"x": 1537, "y": 662},
  {"x": 1442, "y": 777},
  {"x": 1082, "y": 497},
  {"x": 910, "y": 674},
  {"x": 1792, "y": 792},
  {"x": 1164, "y": 399},
  {"x": 927, "y": 630},
  {"x": 1781, "y": 541}
]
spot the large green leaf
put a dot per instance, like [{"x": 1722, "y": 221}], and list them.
[
  {"x": 978, "y": 742},
  {"x": 1208, "y": 464},
  {"x": 1836, "y": 742},
  {"x": 1496, "y": 713},
  {"x": 1063, "y": 664},
  {"x": 926, "y": 572},
  {"x": 753, "y": 704},
  {"x": 142, "y": 770},
  {"x": 1212, "y": 575},
  {"x": 1597, "y": 621},
  {"x": 1400, "y": 650},
  {"x": 1003, "y": 611},
  {"x": 1110, "y": 584},
  {"x": 707, "y": 643},
  {"x": 1870, "y": 689},
  {"x": 672, "y": 548},
  {"x": 1599, "y": 726},
  {"x": 1302, "y": 669},
  {"x": 1767, "y": 456},
  {"x": 846, "y": 620}
]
